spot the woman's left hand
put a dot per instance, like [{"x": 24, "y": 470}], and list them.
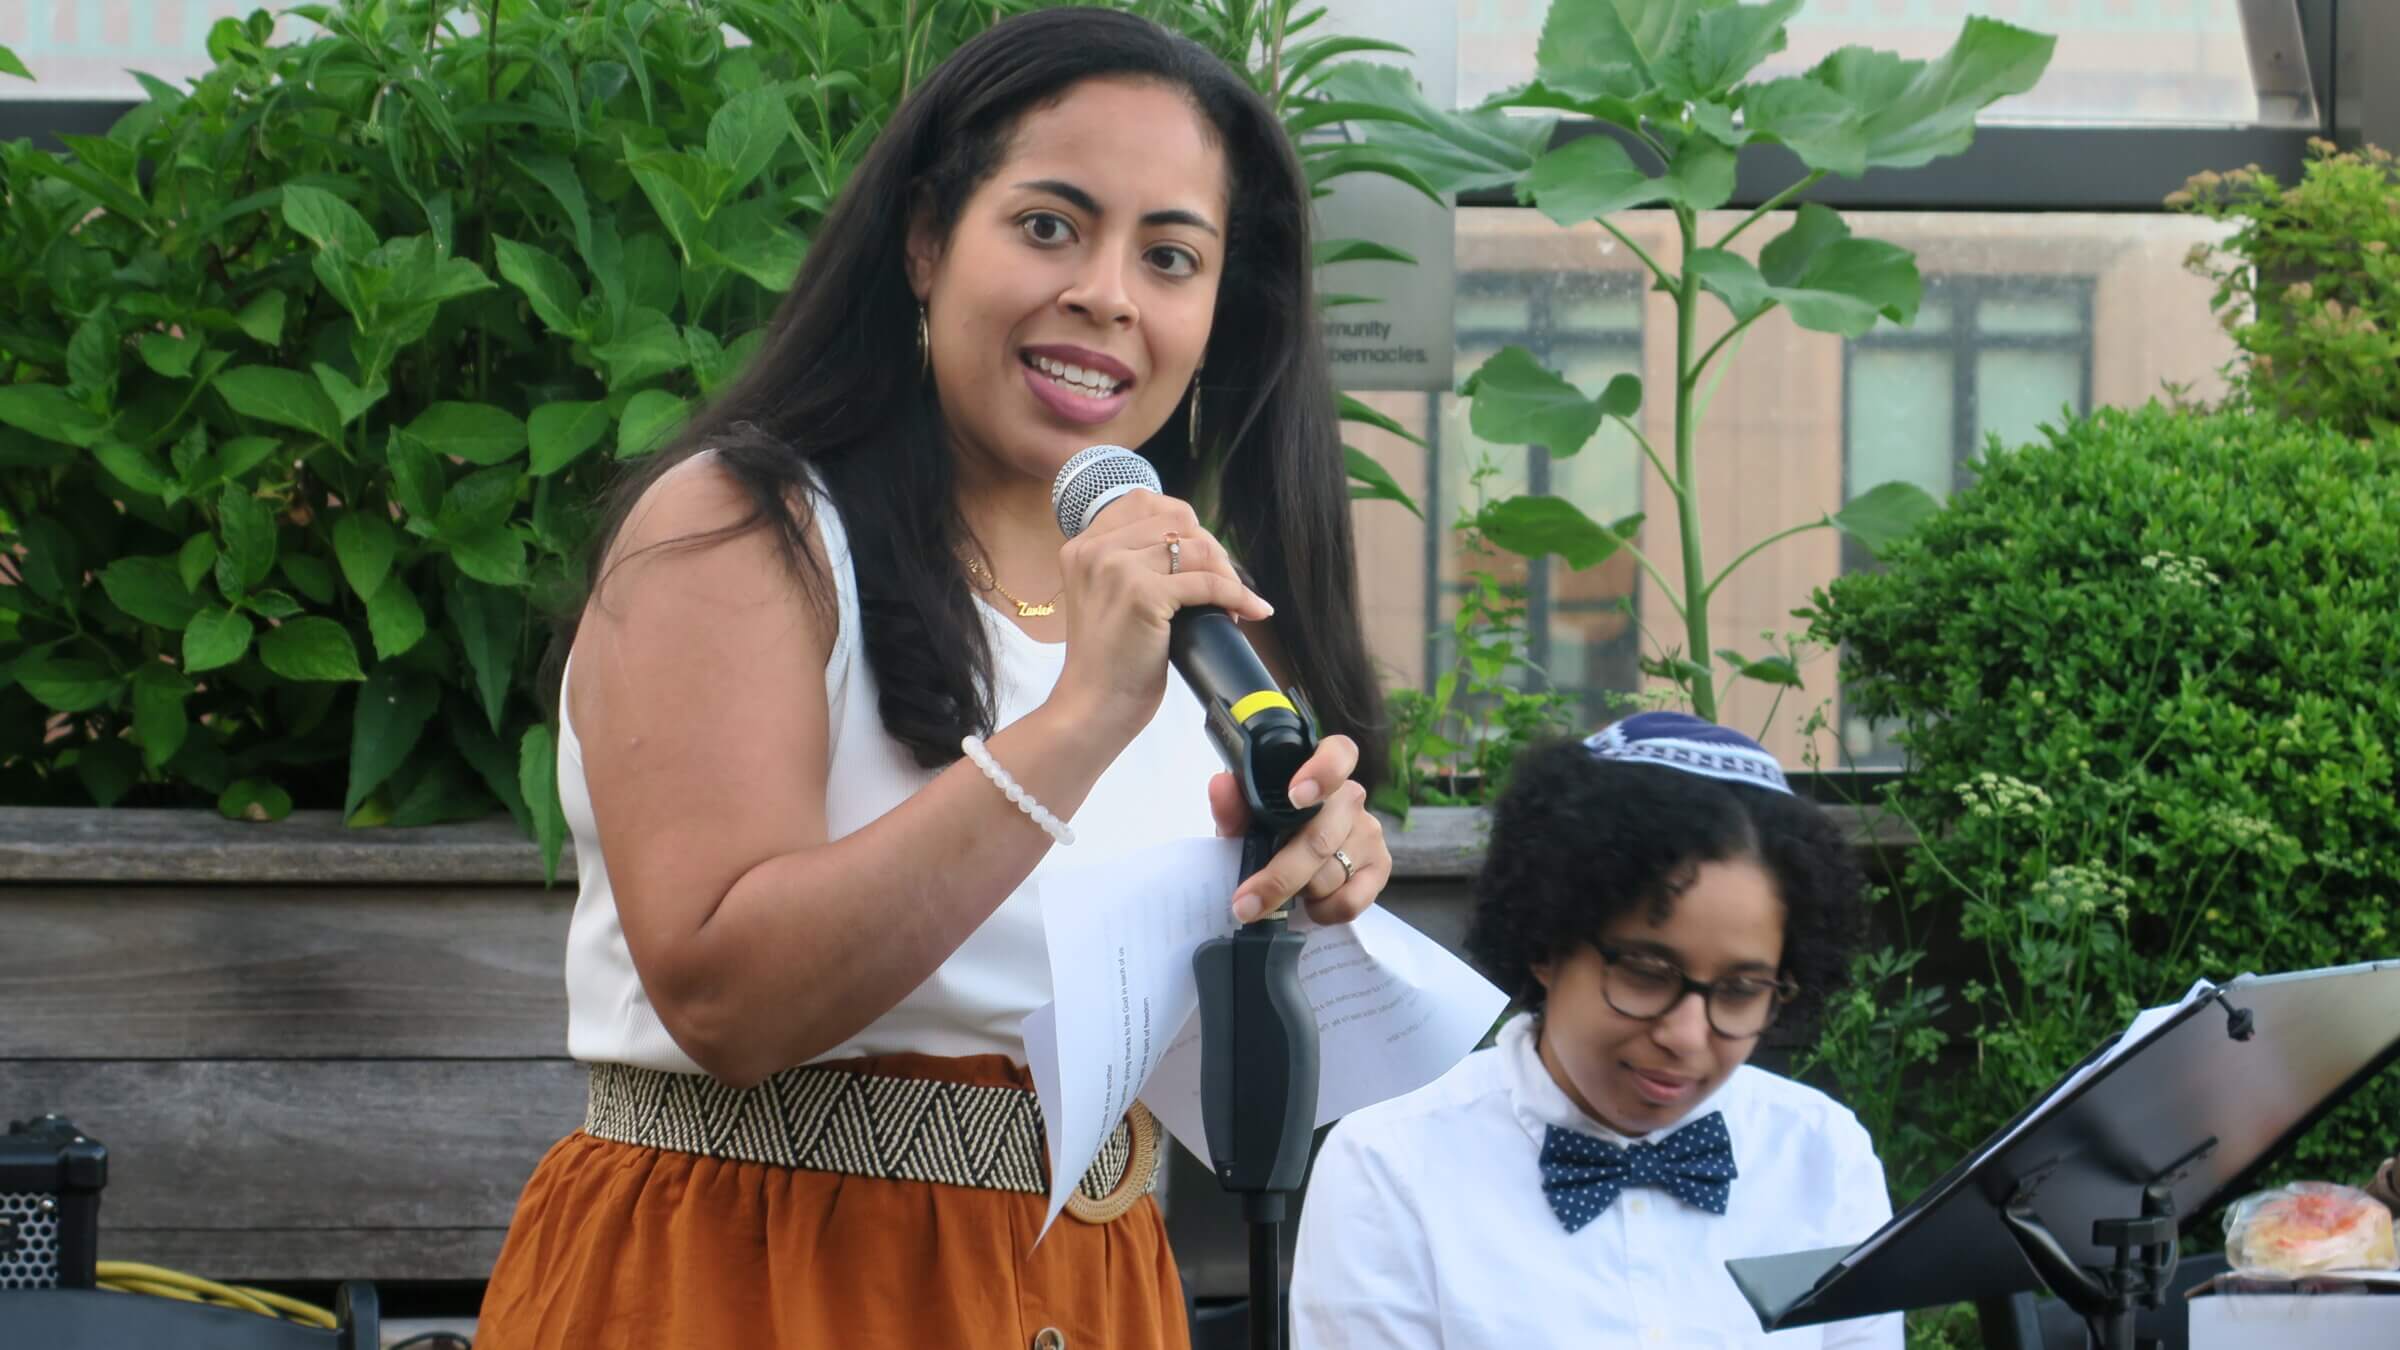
[{"x": 1307, "y": 865}]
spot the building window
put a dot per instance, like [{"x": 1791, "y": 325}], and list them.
[
  {"x": 1989, "y": 357},
  {"x": 1581, "y": 633}
]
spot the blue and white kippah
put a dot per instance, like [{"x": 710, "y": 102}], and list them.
[{"x": 1681, "y": 741}]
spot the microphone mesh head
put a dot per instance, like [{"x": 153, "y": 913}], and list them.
[{"x": 1093, "y": 479}]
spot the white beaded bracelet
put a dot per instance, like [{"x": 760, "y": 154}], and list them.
[{"x": 1039, "y": 814}]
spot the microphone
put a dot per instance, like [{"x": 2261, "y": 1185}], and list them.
[
  {"x": 1265, "y": 734},
  {"x": 1258, "y": 1033}
]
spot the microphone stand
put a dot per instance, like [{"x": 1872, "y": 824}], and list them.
[{"x": 1258, "y": 1080}]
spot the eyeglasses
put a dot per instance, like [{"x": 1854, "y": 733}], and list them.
[{"x": 1646, "y": 988}]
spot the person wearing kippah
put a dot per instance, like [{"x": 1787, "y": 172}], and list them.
[{"x": 1655, "y": 899}]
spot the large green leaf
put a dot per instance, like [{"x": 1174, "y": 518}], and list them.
[
  {"x": 393, "y": 708},
  {"x": 489, "y": 553},
  {"x": 1833, "y": 282},
  {"x": 11, "y": 65},
  {"x": 1588, "y": 178},
  {"x": 565, "y": 186},
  {"x": 646, "y": 345},
  {"x": 1544, "y": 526},
  {"x": 286, "y": 398},
  {"x": 480, "y": 500},
  {"x": 310, "y": 648},
  {"x": 151, "y": 590},
  {"x": 67, "y": 684},
  {"x": 395, "y": 621},
  {"x": 194, "y": 559},
  {"x": 1826, "y": 130},
  {"x": 547, "y": 283},
  {"x": 418, "y": 479},
  {"x": 1455, "y": 151},
  {"x": 50, "y": 413},
  {"x": 1701, "y": 175},
  {"x": 744, "y": 135},
  {"x": 247, "y": 528},
  {"x": 478, "y": 433},
  {"x": 684, "y": 190},
  {"x": 169, "y": 356},
  {"x": 747, "y": 238},
  {"x": 649, "y": 417},
  {"x": 215, "y": 638},
  {"x": 255, "y": 800},
  {"x": 1518, "y": 401},
  {"x": 537, "y": 779},
  {"x": 1733, "y": 279},
  {"x": 364, "y": 544},
  {"x": 1919, "y": 111},
  {"x": 262, "y": 319},
  {"x": 92, "y": 358},
  {"x": 327, "y": 221},
  {"x": 160, "y": 724},
  {"x": 562, "y": 433},
  {"x": 1713, "y": 52},
  {"x": 488, "y": 622},
  {"x": 137, "y": 470},
  {"x": 1608, "y": 48},
  {"x": 350, "y": 402},
  {"x": 1828, "y": 280},
  {"x": 1885, "y": 514}
]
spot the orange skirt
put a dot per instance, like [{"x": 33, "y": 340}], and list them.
[{"x": 620, "y": 1247}]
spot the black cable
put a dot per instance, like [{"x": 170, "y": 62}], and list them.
[{"x": 433, "y": 1340}]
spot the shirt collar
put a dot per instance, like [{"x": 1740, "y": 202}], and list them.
[{"x": 1539, "y": 1102}]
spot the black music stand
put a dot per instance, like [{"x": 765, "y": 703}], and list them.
[{"x": 2085, "y": 1193}]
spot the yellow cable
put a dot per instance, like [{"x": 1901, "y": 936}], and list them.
[{"x": 135, "y": 1277}]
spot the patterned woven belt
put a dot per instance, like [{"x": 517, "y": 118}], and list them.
[{"x": 901, "y": 1129}]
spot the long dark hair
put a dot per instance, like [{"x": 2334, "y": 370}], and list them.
[{"x": 835, "y": 389}]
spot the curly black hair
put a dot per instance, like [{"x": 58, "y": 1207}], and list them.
[{"x": 1579, "y": 841}]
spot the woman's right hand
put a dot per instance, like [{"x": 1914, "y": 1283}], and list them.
[{"x": 1119, "y": 597}]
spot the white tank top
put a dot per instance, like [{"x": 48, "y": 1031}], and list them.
[{"x": 1155, "y": 791}]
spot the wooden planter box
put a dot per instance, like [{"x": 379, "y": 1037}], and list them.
[{"x": 317, "y": 1053}]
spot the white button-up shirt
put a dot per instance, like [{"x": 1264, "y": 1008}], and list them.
[{"x": 1425, "y": 1225}]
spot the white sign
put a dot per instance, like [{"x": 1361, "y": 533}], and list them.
[{"x": 1400, "y": 336}]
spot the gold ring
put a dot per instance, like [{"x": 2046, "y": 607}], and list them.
[
  {"x": 1349, "y": 868},
  {"x": 1174, "y": 553}
]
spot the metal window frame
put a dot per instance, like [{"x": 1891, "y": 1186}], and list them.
[
  {"x": 1541, "y": 336},
  {"x": 1965, "y": 341}
]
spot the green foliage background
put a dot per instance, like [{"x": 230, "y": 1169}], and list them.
[
  {"x": 312, "y": 372},
  {"x": 2148, "y": 674}
]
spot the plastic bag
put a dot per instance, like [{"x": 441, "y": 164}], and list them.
[{"x": 2309, "y": 1227}]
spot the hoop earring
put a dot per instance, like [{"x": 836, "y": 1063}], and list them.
[
  {"x": 924, "y": 343},
  {"x": 1191, "y": 433}
]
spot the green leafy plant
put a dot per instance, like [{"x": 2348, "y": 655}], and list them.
[
  {"x": 1453, "y": 746},
  {"x": 1664, "y": 82},
  {"x": 312, "y": 370},
  {"x": 2308, "y": 284},
  {"x": 2144, "y": 674}
]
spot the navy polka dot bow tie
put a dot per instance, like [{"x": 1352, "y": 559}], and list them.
[{"x": 1582, "y": 1175}]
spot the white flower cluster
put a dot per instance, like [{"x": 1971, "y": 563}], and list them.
[
  {"x": 2240, "y": 830},
  {"x": 2182, "y": 569},
  {"x": 2084, "y": 888},
  {"x": 1990, "y": 794}
]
